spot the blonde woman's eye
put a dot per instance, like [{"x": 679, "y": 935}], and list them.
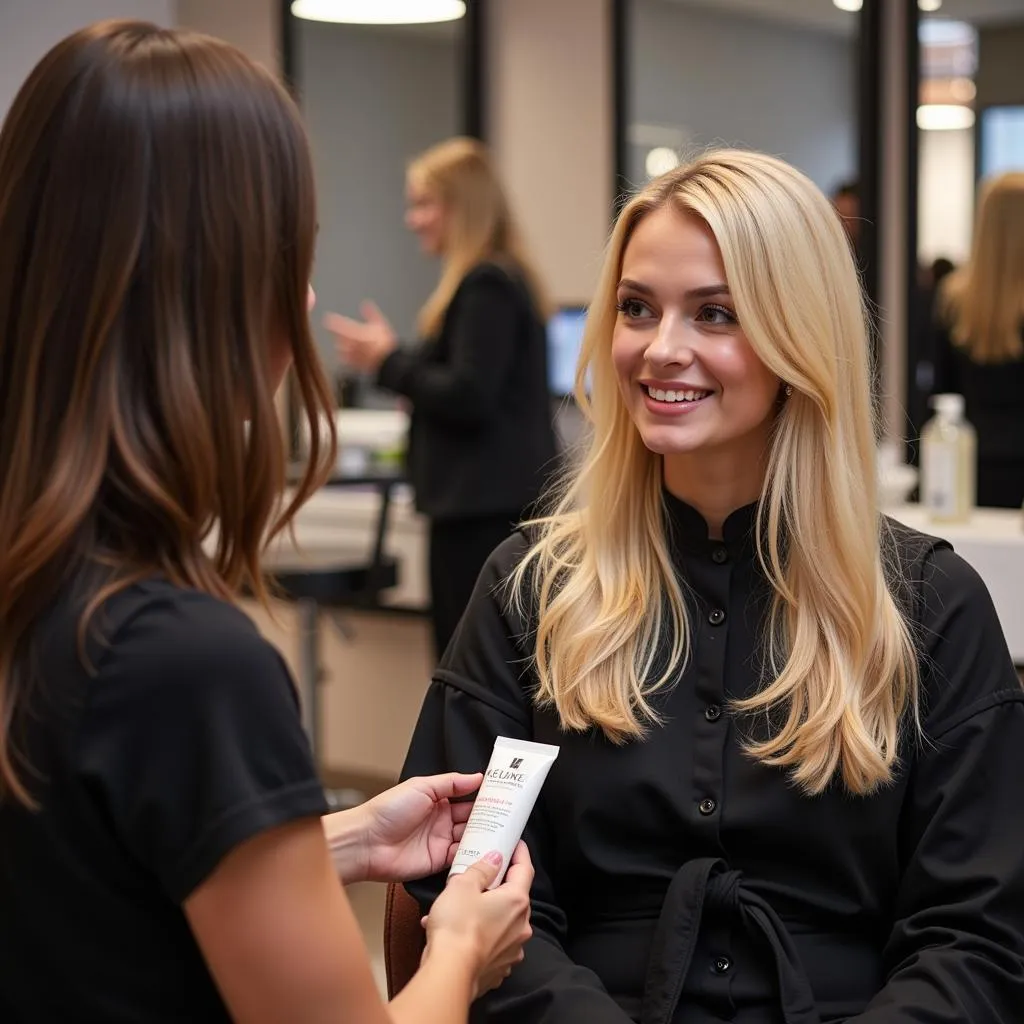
[
  {"x": 716, "y": 315},
  {"x": 633, "y": 309}
]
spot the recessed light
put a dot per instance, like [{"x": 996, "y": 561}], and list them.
[
  {"x": 944, "y": 117},
  {"x": 379, "y": 12}
]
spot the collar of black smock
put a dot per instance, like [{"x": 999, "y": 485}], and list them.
[{"x": 688, "y": 529}]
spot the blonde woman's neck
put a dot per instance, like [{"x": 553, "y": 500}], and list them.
[{"x": 716, "y": 485}]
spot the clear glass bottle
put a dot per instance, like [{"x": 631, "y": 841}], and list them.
[{"x": 948, "y": 462}]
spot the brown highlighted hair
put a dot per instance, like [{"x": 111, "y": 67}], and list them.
[{"x": 157, "y": 227}]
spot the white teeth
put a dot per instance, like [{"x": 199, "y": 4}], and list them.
[{"x": 676, "y": 396}]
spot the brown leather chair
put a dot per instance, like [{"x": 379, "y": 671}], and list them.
[{"x": 404, "y": 938}]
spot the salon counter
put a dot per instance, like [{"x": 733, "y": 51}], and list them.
[{"x": 347, "y": 518}]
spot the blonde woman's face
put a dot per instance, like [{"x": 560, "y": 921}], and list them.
[
  {"x": 425, "y": 217},
  {"x": 690, "y": 379}
]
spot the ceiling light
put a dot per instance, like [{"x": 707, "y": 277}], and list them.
[
  {"x": 929, "y": 6},
  {"x": 660, "y": 160},
  {"x": 944, "y": 117},
  {"x": 379, "y": 12},
  {"x": 849, "y": 5}
]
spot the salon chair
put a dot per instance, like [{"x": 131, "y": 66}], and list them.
[{"x": 404, "y": 938}]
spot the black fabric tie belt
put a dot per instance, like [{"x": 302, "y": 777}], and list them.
[{"x": 709, "y": 882}]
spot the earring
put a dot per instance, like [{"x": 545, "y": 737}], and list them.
[{"x": 789, "y": 390}]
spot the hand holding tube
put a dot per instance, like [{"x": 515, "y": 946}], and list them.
[{"x": 489, "y": 926}]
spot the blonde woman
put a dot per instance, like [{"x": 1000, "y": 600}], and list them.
[
  {"x": 979, "y": 342},
  {"x": 481, "y": 438},
  {"x": 791, "y": 735}
]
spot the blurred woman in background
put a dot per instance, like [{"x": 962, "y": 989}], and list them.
[
  {"x": 481, "y": 436},
  {"x": 979, "y": 340},
  {"x": 162, "y": 852}
]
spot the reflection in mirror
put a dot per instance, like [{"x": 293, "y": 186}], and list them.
[
  {"x": 774, "y": 75},
  {"x": 374, "y": 96},
  {"x": 970, "y": 129}
]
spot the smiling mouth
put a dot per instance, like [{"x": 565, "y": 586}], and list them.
[{"x": 662, "y": 395}]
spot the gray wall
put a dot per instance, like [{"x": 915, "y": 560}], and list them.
[
  {"x": 28, "y": 28},
  {"x": 372, "y": 98},
  {"x": 742, "y": 80}
]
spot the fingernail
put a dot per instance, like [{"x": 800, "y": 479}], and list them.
[{"x": 495, "y": 858}]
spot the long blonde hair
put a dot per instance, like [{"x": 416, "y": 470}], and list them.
[
  {"x": 600, "y": 575},
  {"x": 479, "y": 223},
  {"x": 984, "y": 300}
]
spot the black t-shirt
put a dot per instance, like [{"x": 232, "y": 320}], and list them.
[{"x": 183, "y": 743}]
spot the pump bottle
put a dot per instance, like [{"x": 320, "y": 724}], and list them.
[{"x": 948, "y": 462}]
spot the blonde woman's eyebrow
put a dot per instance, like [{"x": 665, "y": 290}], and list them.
[{"x": 706, "y": 291}]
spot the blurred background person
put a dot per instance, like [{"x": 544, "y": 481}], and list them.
[
  {"x": 481, "y": 439},
  {"x": 978, "y": 346},
  {"x": 940, "y": 269}
]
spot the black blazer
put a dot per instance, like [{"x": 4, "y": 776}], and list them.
[{"x": 481, "y": 438}]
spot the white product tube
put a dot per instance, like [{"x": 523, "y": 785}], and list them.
[{"x": 510, "y": 788}]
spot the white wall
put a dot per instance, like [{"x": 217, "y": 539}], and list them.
[
  {"x": 945, "y": 194},
  {"x": 549, "y": 120},
  {"x": 28, "y": 28},
  {"x": 372, "y": 100},
  {"x": 721, "y": 77}
]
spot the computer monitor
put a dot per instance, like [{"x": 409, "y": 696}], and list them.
[
  {"x": 1001, "y": 140},
  {"x": 565, "y": 339}
]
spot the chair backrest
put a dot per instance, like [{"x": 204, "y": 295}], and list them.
[{"x": 404, "y": 938}]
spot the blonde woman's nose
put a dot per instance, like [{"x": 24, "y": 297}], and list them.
[{"x": 671, "y": 345}]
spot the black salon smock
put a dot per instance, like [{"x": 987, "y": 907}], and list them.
[{"x": 680, "y": 881}]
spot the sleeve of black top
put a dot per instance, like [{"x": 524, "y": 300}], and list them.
[
  {"x": 956, "y": 951},
  {"x": 192, "y": 739},
  {"x": 477, "y": 695},
  {"x": 484, "y": 327}
]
